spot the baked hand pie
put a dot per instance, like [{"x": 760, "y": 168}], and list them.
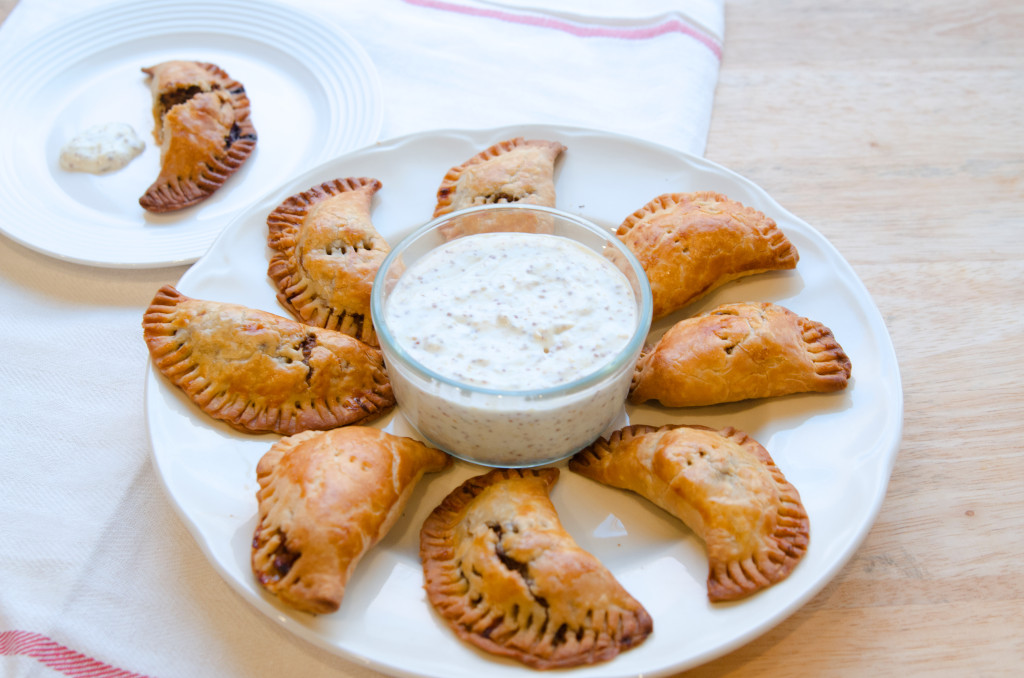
[
  {"x": 325, "y": 499},
  {"x": 203, "y": 128},
  {"x": 692, "y": 243},
  {"x": 508, "y": 578},
  {"x": 326, "y": 252},
  {"x": 739, "y": 351},
  {"x": 512, "y": 171},
  {"x": 723, "y": 485},
  {"x": 260, "y": 372}
]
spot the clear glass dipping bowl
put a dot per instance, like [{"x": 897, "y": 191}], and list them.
[{"x": 510, "y": 428}]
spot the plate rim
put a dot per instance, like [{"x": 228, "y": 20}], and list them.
[{"x": 891, "y": 442}]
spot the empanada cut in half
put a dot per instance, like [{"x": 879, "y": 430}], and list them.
[
  {"x": 506, "y": 576},
  {"x": 513, "y": 171},
  {"x": 723, "y": 485},
  {"x": 325, "y": 499},
  {"x": 203, "y": 128},
  {"x": 326, "y": 252},
  {"x": 261, "y": 372},
  {"x": 692, "y": 243},
  {"x": 736, "y": 352}
]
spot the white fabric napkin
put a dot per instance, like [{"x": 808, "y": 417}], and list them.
[{"x": 99, "y": 577}]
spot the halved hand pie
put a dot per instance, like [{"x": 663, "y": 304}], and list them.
[
  {"x": 202, "y": 125},
  {"x": 257, "y": 371},
  {"x": 723, "y": 485},
  {"x": 739, "y": 351},
  {"x": 513, "y": 171},
  {"x": 326, "y": 253},
  {"x": 325, "y": 499},
  {"x": 692, "y": 243},
  {"x": 508, "y": 578}
]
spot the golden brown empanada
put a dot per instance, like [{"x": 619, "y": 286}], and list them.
[
  {"x": 692, "y": 243},
  {"x": 512, "y": 171},
  {"x": 326, "y": 253},
  {"x": 325, "y": 499},
  {"x": 261, "y": 372},
  {"x": 204, "y": 130},
  {"x": 508, "y": 578},
  {"x": 723, "y": 485},
  {"x": 739, "y": 351}
]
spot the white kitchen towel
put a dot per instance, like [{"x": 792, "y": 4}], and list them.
[{"x": 98, "y": 576}]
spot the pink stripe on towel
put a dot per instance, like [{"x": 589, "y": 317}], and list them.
[
  {"x": 57, "y": 657},
  {"x": 582, "y": 30}
]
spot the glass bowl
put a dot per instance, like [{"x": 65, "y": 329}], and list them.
[{"x": 511, "y": 422}]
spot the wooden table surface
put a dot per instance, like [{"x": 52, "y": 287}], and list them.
[{"x": 897, "y": 130}]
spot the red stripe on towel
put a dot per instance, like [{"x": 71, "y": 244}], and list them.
[
  {"x": 58, "y": 657},
  {"x": 583, "y": 31}
]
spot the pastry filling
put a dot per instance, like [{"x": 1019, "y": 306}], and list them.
[
  {"x": 235, "y": 133},
  {"x": 169, "y": 100},
  {"x": 495, "y": 198},
  {"x": 280, "y": 563},
  {"x": 340, "y": 247},
  {"x": 307, "y": 352}
]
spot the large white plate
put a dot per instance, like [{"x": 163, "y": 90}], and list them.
[
  {"x": 838, "y": 449},
  {"x": 314, "y": 94}
]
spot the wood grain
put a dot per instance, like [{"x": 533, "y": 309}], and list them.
[{"x": 897, "y": 130}]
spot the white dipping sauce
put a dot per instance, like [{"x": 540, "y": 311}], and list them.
[
  {"x": 101, "y": 148},
  {"x": 512, "y": 312}
]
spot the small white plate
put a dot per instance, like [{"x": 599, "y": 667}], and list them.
[
  {"x": 837, "y": 449},
  {"x": 314, "y": 94}
]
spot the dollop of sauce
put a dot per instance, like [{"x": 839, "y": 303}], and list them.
[
  {"x": 101, "y": 148},
  {"x": 512, "y": 311}
]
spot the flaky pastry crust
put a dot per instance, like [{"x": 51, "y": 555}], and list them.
[
  {"x": 692, "y": 243},
  {"x": 203, "y": 126},
  {"x": 511, "y": 171},
  {"x": 260, "y": 372},
  {"x": 506, "y": 576},
  {"x": 325, "y": 499},
  {"x": 723, "y": 485},
  {"x": 326, "y": 253},
  {"x": 736, "y": 352}
]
